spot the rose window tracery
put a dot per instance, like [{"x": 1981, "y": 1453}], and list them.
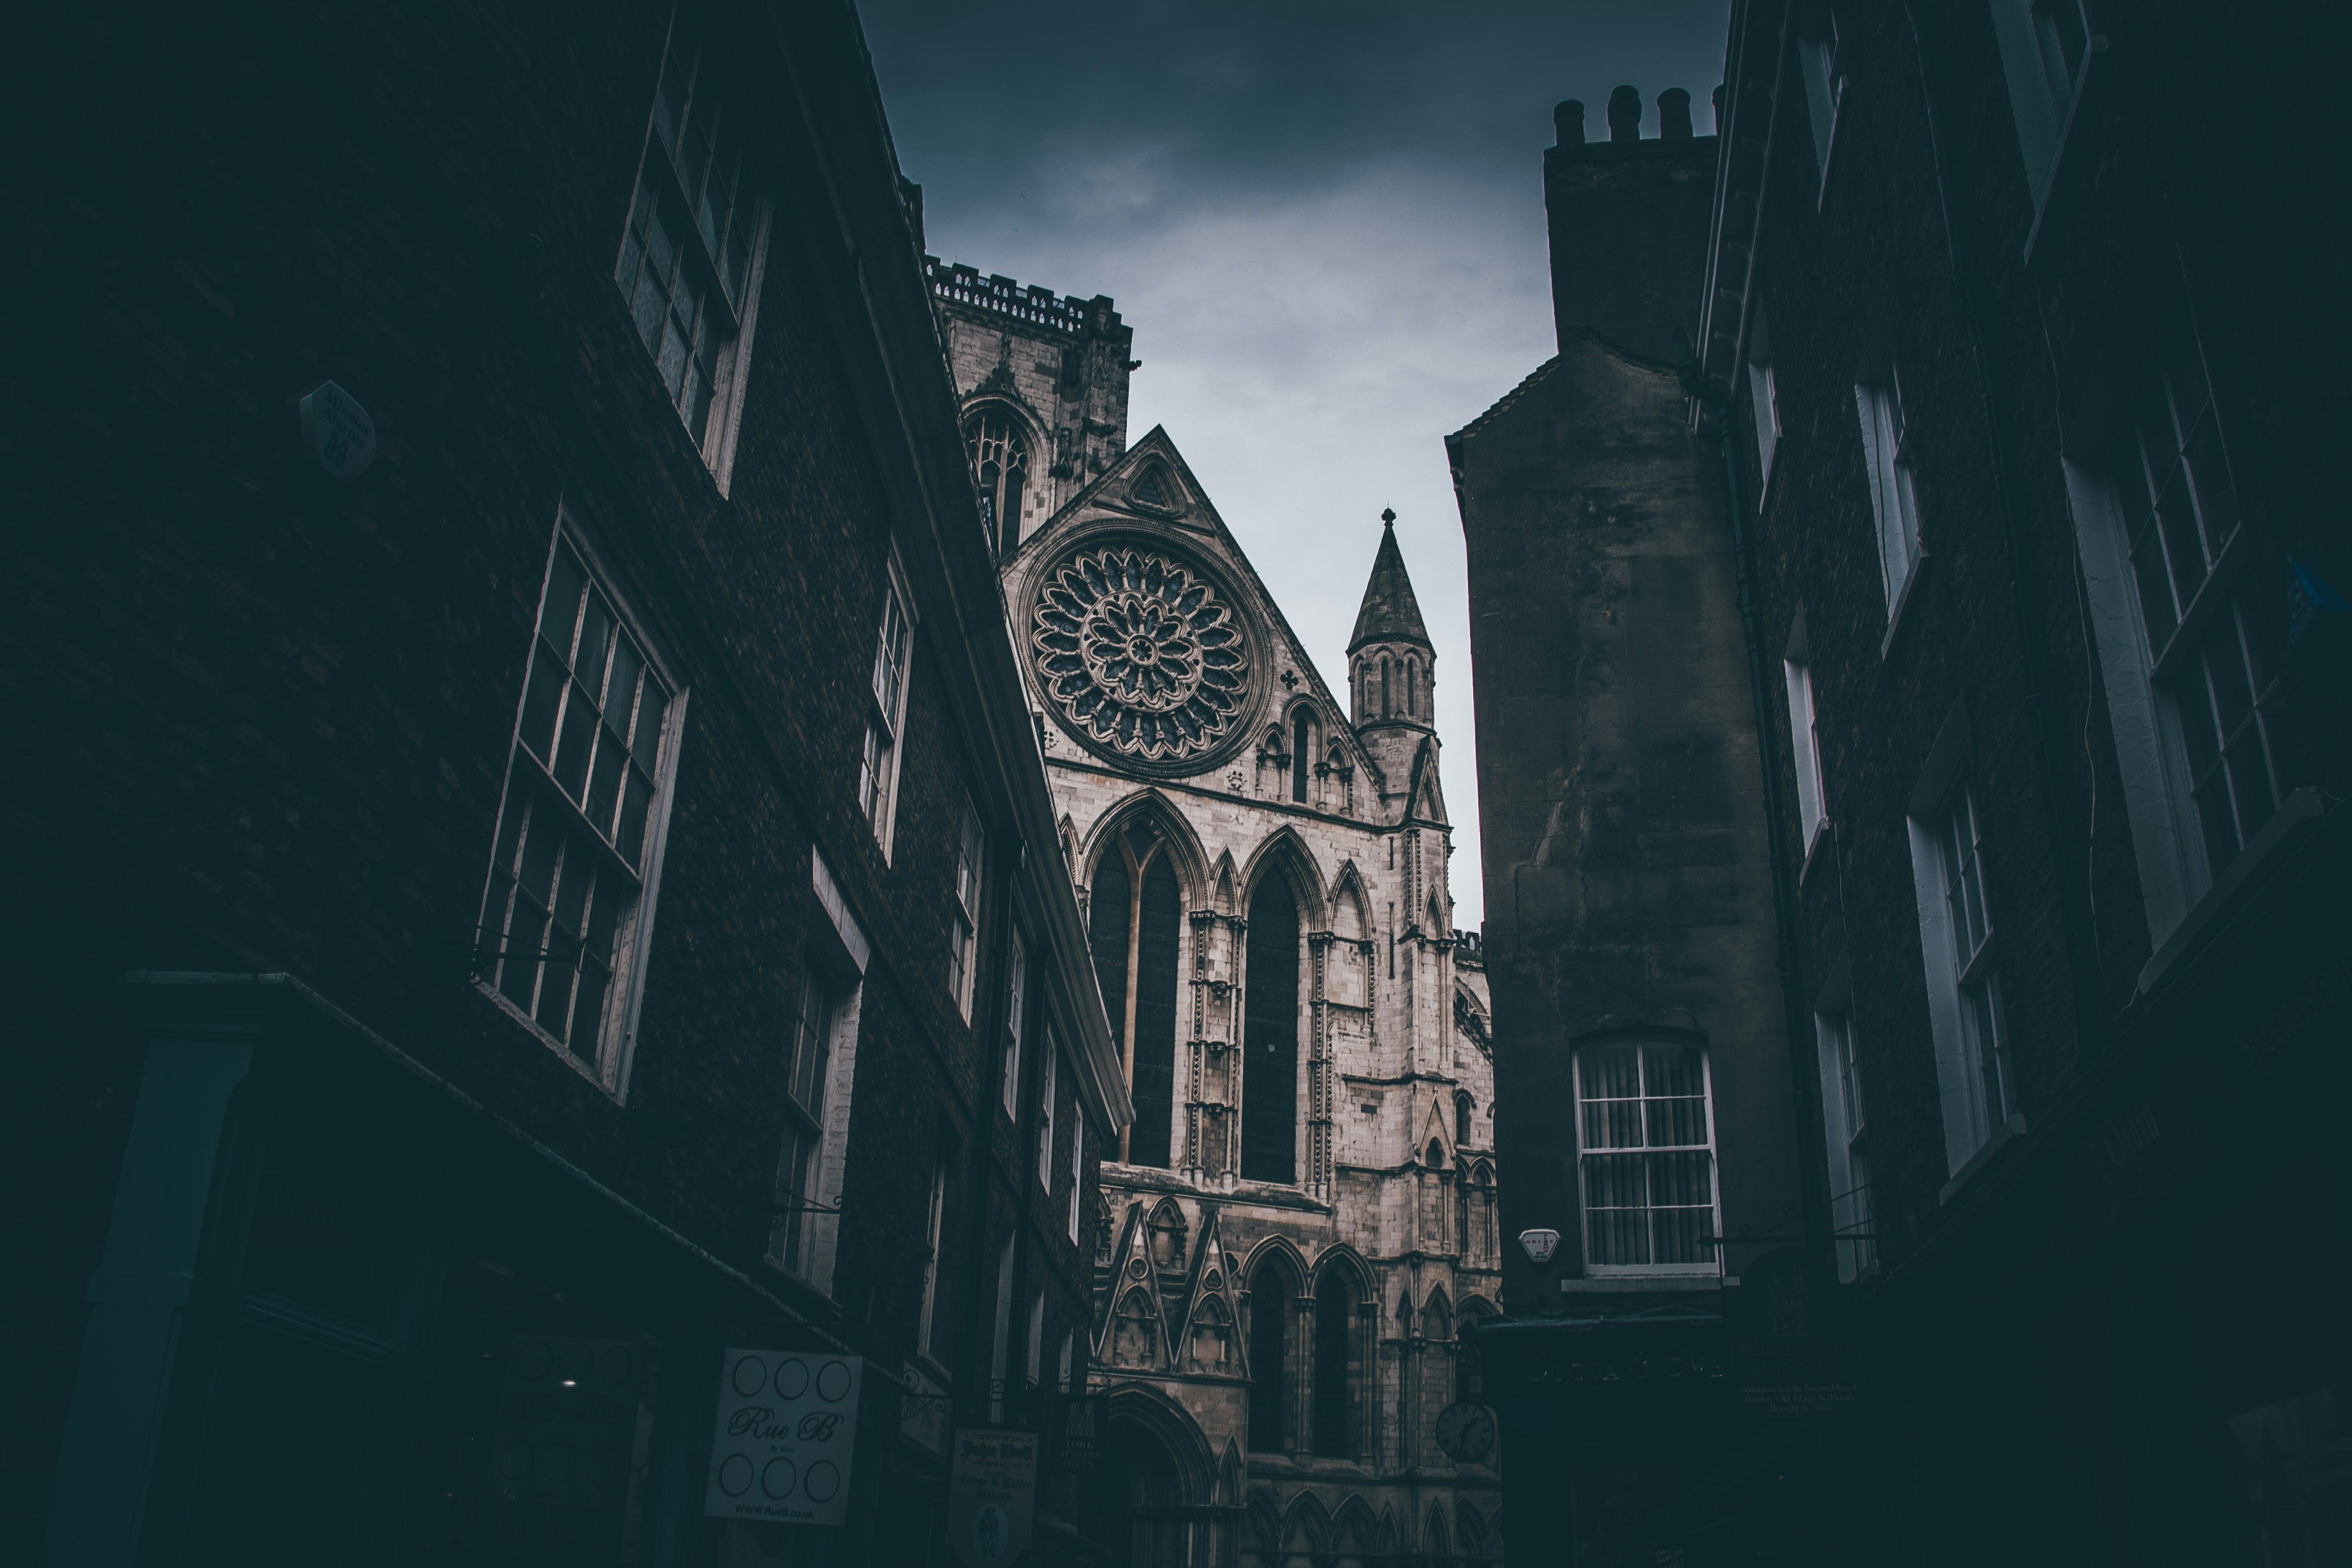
[{"x": 1140, "y": 653}]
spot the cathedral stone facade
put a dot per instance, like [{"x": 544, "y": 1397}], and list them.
[{"x": 1298, "y": 1236}]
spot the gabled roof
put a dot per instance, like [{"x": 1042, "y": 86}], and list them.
[{"x": 1390, "y": 612}]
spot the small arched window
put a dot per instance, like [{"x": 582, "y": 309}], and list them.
[
  {"x": 1464, "y": 1108},
  {"x": 1000, "y": 466},
  {"x": 1386, "y": 711},
  {"x": 1411, "y": 688},
  {"x": 1646, "y": 1159},
  {"x": 1302, "y": 744}
]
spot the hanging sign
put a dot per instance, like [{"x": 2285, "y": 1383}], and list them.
[
  {"x": 1084, "y": 1427},
  {"x": 992, "y": 1496},
  {"x": 337, "y": 431},
  {"x": 787, "y": 1431},
  {"x": 1794, "y": 1343}
]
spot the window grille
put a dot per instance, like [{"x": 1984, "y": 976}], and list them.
[
  {"x": 696, "y": 222},
  {"x": 2208, "y": 642},
  {"x": 877, "y": 763},
  {"x": 798, "y": 1175},
  {"x": 569, "y": 871},
  {"x": 1648, "y": 1158},
  {"x": 1984, "y": 1039}
]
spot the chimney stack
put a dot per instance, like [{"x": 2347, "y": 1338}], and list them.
[
  {"x": 1673, "y": 115},
  {"x": 1568, "y": 124},
  {"x": 1715, "y": 98},
  {"x": 1625, "y": 114}
]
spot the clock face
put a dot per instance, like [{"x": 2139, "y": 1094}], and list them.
[{"x": 1466, "y": 1432}]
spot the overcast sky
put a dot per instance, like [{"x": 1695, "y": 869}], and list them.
[{"x": 1324, "y": 224}]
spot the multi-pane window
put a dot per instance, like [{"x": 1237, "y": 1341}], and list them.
[
  {"x": 2063, "y": 41},
  {"x": 1647, "y": 1158},
  {"x": 963, "y": 919},
  {"x": 693, "y": 235},
  {"x": 798, "y": 1163},
  {"x": 1046, "y": 1119},
  {"x": 2207, "y": 637},
  {"x": 1805, "y": 740},
  {"x": 1849, "y": 1159},
  {"x": 1984, "y": 1040},
  {"x": 933, "y": 1216},
  {"x": 1894, "y": 494},
  {"x": 877, "y": 763},
  {"x": 1763, "y": 402},
  {"x": 1817, "y": 55},
  {"x": 570, "y": 870},
  {"x": 999, "y": 463},
  {"x": 1077, "y": 1171},
  {"x": 1016, "y": 988}
]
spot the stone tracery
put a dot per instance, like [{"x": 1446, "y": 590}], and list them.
[{"x": 1140, "y": 653}]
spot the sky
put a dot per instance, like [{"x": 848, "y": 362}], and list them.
[{"x": 1324, "y": 223}]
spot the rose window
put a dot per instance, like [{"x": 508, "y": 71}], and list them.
[{"x": 1140, "y": 655}]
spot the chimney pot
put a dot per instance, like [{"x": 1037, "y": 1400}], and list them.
[
  {"x": 1568, "y": 124},
  {"x": 1673, "y": 114},
  {"x": 1625, "y": 114}
]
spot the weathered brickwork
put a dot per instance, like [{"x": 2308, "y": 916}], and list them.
[{"x": 264, "y": 720}]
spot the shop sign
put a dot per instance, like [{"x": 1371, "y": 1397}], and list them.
[
  {"x": 1794, "y": 1340},
  {"x": 567, "y": 1421},
  {"x": 1085, "y": 1425},
  {"x": 992, "y": 1495},
  {"x": 337, "y": 431},
  {"x": 786, "y": 1435}
]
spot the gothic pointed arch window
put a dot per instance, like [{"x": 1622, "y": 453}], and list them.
[
  {"x": 1272, "y": 1356},
  {"x": 1302, "y": 752},
  {"x": 1339, "y": 1360},
  {"x": 1386, "y": 710},
  {"x": 998, "y": 450},
  {"x": 1270, "y": 1036},
  {"x": 1411, "y": 688},
  {"x": 1133, "y": 919}
]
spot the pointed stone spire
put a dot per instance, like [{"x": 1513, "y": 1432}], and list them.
[{"x": 1390, "y": 613}]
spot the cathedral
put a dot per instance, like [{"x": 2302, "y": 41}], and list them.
[{"x": 1298, "y": 1240}]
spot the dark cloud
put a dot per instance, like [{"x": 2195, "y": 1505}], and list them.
[{"x": 1325, "y": 223}]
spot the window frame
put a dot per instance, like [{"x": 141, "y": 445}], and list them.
[
  {"x": 808, "y": 1072},
  {"x": 1980, "y": 1098},
  {"x": 884, "y": 748},
  {"x": 1046, "y": 1092},
  {"x": 752, "y": 207},
  {"x": 1894, "y": 486},
  {"x": 927, "y": 1321},
  {"x": 1016, "y": 1021},
  {"x": 1763, "y": 405},
  {"x": 1821, "y": 52},
  {"x": 615, "y": 1053},
  {"x": 1805, "y": 740},
  {"x": 1845, "y": 1129},
  {"x": 2042, "y": 115},
  {"x": 1639, "y": 1042},
  {"x": 964, "y": 912},
  {"x": 1078, "y": 1170},
  {"x": 2171, "y": 837}
]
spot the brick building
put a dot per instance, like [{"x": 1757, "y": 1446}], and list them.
[
  {"x": 479, "y": 482},
  {"x": 1298, "y": 1238},
  {"x": 2005, "y": 361}
]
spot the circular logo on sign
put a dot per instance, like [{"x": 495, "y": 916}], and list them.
[
  {"x": 832, "y": 1381},
  {"x": 791, "y": 1379},
  {"x": 1142, "y": 656}
]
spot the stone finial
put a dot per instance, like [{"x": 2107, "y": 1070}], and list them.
[
  {"x": 1673, "y": 114},
  {"x": 1625, "y": 114},
  {"x": 1567, "y": 122},
  {"x": 1388, "y": 517}
]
